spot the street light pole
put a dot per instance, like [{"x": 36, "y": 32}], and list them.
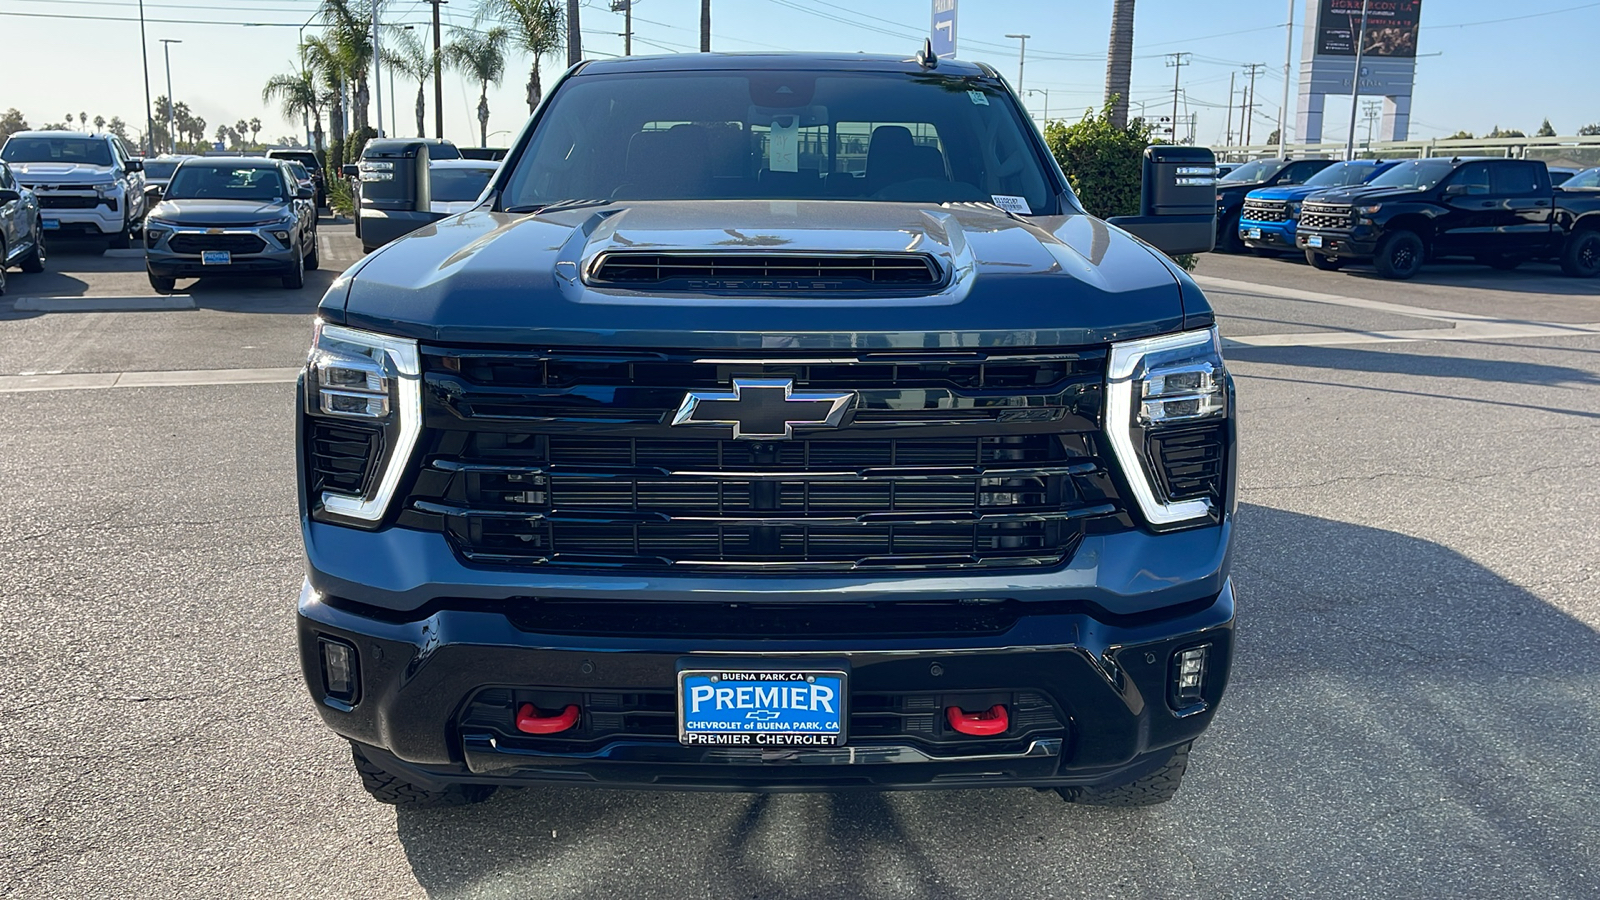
[
  {"x": 305, "y": 115},
  {"x": 172, "y": 134},
  {"x": 1176, "y": 62},
  {"x": 1022, "y": 56},
  {"x": 1046, "y": 93},
  {"x": 1355, "y": 83},
  {"x": 149, "y": 109},
  {"x": 1283, "y": 111},
  {"x": 377, "y": 68}
]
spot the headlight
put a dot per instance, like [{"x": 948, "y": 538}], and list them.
[
  {"x": 1168, "y": 403},
  {"x": 107, "y": 190},
  {"x": 1369, "y": 210},
  {"x": 364, "y": 409},
  {"x": 157, "y": 223},
  {"x": 1294, "y": 210}
]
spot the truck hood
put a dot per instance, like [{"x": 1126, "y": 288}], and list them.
[
  {"x": 218, "y": 212},
  {"x": 498, "y": 278},
  {"x": 1363, "y": 193},
  {"x": 61, "y": 173},
  {"x": 1295, "y": 192}
]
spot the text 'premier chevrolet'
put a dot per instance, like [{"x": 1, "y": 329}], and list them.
[{"x": 772, "y": 423}]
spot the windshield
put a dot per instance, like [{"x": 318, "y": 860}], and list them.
[
  {"x": 923, "y": 138},
  {"x": 203, "y": 182},
  {"x": 1418, "y": 175},
  {"x": 1589, "y": 178},
  {"x": 307, "y": 159},
  {"x": 1342, "y": 175},
  {"x": 457, "y": 185},
  {"x": 1252, "y": 172},
  {"x": 299, "y": 171},
  {"x": 81, "y": 151},
  {"x": 159, "y": 168}
]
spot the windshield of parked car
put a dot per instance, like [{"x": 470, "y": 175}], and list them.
[
  {"x": 1254, "y": 171},
  {"x": 1341, "y": 175},
  {"x": 211, "y": 182},
  {"x": 299, "y": 171},
  {"x": 1417, "y": 175},
  {"x": 1589, "y": 178},
  {"x": 160, "y": 168},
  {"x": 782, "y": 135},
  {"x": 457, "y": 185},
  {"x": 82, "y": 151}
]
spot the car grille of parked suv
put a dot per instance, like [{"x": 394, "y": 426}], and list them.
[
  {"x": 195, "y": 242},
  {"x": 950, "y": 460},
  {"x": 1266, "y": 211},
  {"x": 60, "y": 201},
  {"x": 1324, "y": 215}
]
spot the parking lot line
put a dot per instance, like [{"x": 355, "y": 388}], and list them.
[
  {"x": 17, "y": 384},
  {"x": 104, "y": 304}
]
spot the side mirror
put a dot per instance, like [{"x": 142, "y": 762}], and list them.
[
  {"x": 305, "y": 193},
  {"x": 351, "y": 171},
  {"x": 1177, "y": 200},
  {"x": 1455, "y": 190},
  {"x": 7, "y": 195},
  {"x": 135, "y": 165}
]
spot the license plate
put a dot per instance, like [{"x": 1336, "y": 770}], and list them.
[
  {"x": 52, "y": 224},
  {"x": 1314, "y": 240},
  {"x": 215, "y": 257},
  {"x": 761, "y": 708},
  {"x": 1255, "y": 234}
]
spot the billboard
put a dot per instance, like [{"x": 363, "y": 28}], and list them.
[{"x": 1391, "y": 28}]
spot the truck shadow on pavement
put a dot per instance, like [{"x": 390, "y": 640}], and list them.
[
  {"x": 1406, "y": 362},
  {"x": 1399, "y": 715}
]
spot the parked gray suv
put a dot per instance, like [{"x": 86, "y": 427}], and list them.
[{"x": 231, "y": 216}]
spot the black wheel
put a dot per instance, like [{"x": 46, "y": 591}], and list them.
[
  {"x": 1503, "y": 262},
  {"x": 120, "y": 240},
  {"x": 161, "y": 283},
  {"x": 34, "y": 261},
  {"x": 387, "y": 788},
  {"x": 2, "y": 267},
  {"x": 1157, "y": 787},
  {"x": 1323, "y": 261},
  {"x": 296, "y": 278},
  {"x": 1399, "y": 255},
  {"x": 1581, "y": 257},
  {"x": 1230, "y": 242},
  {"x": 314, "y": 258}
]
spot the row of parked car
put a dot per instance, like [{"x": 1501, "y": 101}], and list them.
[{"x": 1400, "y": 214}]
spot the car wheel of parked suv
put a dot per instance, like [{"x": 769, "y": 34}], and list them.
[
  {"x": 160, "y": 284},
  {"x": 1581, "y": 259},
  {"x": 2, "y": 267},
  {"x": 387, "y": 788},
  {"x": 1231, "y": 242},
  {"x": 1158, "y": 786},
  {"x": 314, "y": 258},
  {"x": 34, "y": 261},
  {"x": 296, "y": 279},
  {"x": 1323, "y": 261},
  {"x": 1399, "y": 255}
]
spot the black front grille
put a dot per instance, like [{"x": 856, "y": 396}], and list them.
[
  {"x": 195, "y": 242},
  {"x": 1314, "y": 215},
  {"x": 1191, "y": 461},
  {"x": 1265, "y": 211},
  {"x": 709, "y": 620},
  {"x": 552, "y": 459},
  {"x": 340, "y": 457},
  {"x": 762, "y": 272},
  {"x": 58, "y": 201}
]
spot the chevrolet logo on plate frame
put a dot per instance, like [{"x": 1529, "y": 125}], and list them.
[{"x": 763, "y": 409}]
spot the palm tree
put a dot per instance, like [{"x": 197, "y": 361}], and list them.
[
  {"x": 406, "y": 55},
  {"x": 536, "y": 28},
  {"x": 705, "y": 26},
  {"x": 324, "y": 62},
  {"x": 297, "y": 95},
  {"x": 1119, "y": 61},
  {"x": 350, "y": 33},
  {"x": 69, "y": 121},
  {"x": 574, "y": 35},
  {"x": 255, "y": 129},
  {"x": 480, "y": 56},
  {"x": 99, "y": 123}
]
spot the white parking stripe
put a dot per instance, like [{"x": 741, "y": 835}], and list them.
[
  {"x": 104, "y": 304},
  {"x": 16, "y": 384}
]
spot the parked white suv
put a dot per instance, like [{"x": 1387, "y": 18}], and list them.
[{"x": 88, "y": 185}]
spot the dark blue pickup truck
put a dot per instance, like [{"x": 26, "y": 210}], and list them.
[{"x": 773, "y": 423}]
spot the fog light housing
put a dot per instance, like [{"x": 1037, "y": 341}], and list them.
[
  {"x": 1189, "y": 676},
  {"x": 341, "y": 672},
  {"x": 282, "y": 236}
]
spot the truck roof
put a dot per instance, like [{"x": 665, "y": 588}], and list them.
[{"x": 718, "y": 62}]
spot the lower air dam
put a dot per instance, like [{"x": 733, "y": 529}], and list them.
[{"x": 762, "y": 740}]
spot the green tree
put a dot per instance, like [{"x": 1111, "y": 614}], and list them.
[
  {"x": 534, "y": 27},
  {"x": 1545, "y": 130},
  {"x": 99, "y": 123},
  {"x": 1104, "y": 162},
  {"x": 255, "y": 129},
  {"x": 1593, "y": 128},
  {"x": 297, "y": 94},
  {"x": 11, "y": 123},
  {"x": 327, "y": 67},
  {"x": 1462, "y": 136},
  {"x": 406, "y": 53},
  {"x": 1496, "y": 132},
  {"x": 119, "y": 128},
  {"x": 481, "y": 56},
  {"x": 349, "y": 30}
]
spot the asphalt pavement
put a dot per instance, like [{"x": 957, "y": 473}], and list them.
[{"x": 1414, "y": 712}]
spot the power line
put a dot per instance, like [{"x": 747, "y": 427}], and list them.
[{"x": 23, "y": 15}]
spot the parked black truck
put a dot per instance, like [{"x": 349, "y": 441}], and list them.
[
  {"x": 775, "y": 422},
  {"x": 1500, "y": 212}
]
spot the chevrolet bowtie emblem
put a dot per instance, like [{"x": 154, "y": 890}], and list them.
[{"x": 763, "y": 409}]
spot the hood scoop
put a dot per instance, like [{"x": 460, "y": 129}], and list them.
[{"x": 746, "y": 272}]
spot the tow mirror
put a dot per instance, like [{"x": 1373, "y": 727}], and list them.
[
  {"x": 8, "y": 196},
  {"x": 351, "y": 171},
  {"x": 1455, "y": 190},
  {"x": 135, "y": 165},
  {"x": 1177, "y": 200}
]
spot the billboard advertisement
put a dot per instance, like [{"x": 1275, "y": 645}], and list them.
[{"x": 1391, "y": 28}]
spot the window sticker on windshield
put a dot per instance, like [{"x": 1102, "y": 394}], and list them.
[
  {"x": 979, "y": 97},
  {"x": 783, "y": 144},
  {"x": 1018, "y": 205}
]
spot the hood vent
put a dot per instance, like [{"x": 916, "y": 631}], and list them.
[{"x": 767, "y": 273}]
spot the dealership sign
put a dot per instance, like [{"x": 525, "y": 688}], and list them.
[{"x": 1388, "y": 60}]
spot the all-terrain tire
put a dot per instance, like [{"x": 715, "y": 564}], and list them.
[
  {"x": 314, "y": 258},
  {"x": 1156, "y": 787},
  {"x": 1323, "y": 261},
  {"x": 160, "y": 284},
  {"x": 1581, "y": 257},
  {"x": 396, "y": 791},
  {"x": 33, "y": 263},
  {"x": 1231, "y": 242},
  {"x": 296, "y": 277},
  {"x": 1400, "y": 255}
]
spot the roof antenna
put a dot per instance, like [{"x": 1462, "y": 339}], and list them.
[{"x": 925, "y": 57}]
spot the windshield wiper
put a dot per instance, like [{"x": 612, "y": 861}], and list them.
[{"x": 556, "y": 206}]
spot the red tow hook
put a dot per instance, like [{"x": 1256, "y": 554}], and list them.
[
  {"x": 529, "y": 720},
  {"x": 981, "y": 724}
]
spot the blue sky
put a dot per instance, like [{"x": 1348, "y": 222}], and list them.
[{"x": 1498, "y": 63}]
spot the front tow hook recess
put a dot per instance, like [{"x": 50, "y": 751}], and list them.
[
  {"x": 530, "y": 721},
  {"x": 991, "y": 721}
]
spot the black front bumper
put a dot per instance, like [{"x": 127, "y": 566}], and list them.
[
  {"x": 1361, "y": 244},
  {"x": 1102, "y": 683}
]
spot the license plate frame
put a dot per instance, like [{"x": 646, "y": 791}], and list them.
[
  {"x": 775, "y": 719},
  {"x": 52, "y": 224},
  {"x": 1253, "y": 234},
  {"x": 1313, "y": 240},
  {"x": 216, "y": 257}
]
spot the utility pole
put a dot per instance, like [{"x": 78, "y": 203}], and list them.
[
  {"x": 438, "y": 73},
  {"x": 574, "y": 35},
  {"x": 149, "y": 108},
  {"x": 1250, "y": 102},
  {"x": 1288, "y": 59},
  {"x": 377, "y": 67},
  {"x": 166, "y": 50},
  {"x": 1370, "y": 113},
  {"x": 1355, "y": 83},
  {"x": 1176, "y": 62},
  {"x": 626, "y": 8},
  {"x": 1227, "y": 141},
  {"x": 1022, "y": 56}
]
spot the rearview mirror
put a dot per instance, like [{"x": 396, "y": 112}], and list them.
[
  {"x": 1455, "y": 190},
  {"x": 351, "y": 171},
  {"x": 135, "y": 165},
  {"x": 305, "y": 193},
  {"x": 1177, "y": 200}
]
